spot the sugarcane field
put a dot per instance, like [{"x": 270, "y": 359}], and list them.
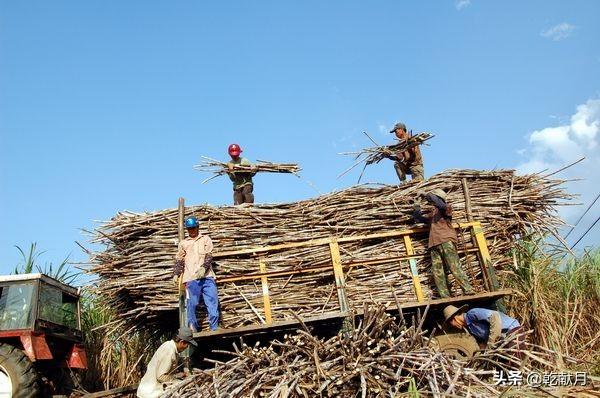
[{"x": 297, "y": 200}]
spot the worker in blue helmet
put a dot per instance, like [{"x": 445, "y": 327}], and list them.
[{"x": 193, "y": 262}]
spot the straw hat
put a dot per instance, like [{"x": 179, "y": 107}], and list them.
[
  {"x": 439, "y": 193},
  {"x": 450, "y": 311}
]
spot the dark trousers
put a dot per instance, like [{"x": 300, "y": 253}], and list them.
[{"x": 243, "y": 195}]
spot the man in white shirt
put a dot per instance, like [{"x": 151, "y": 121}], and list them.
[
  {"x": 193, "y": 262},
  {"x": 164, "y": 361}
]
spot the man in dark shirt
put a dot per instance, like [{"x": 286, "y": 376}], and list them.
[
  {"x": 243, "y": 187},
  {"x": 409, "y": 161},
  {"x": 442, "y": 243}
]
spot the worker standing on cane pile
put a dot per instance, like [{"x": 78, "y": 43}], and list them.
[
  {"x": 487, "y": 326},
  {"x": 193, "y": 262},
  {"x": 409, "y": 161},
  {"x": 442, "y": 243},
  {"x": 243, "y": 186},
  {"x": 160, "y": 369}
]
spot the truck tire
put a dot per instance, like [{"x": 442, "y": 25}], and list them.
[
  {"x": 461, "y": 346},
  {"x": 19, "y": 371}
]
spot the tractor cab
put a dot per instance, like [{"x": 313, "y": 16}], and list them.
[{"x": 40, "y": 332}]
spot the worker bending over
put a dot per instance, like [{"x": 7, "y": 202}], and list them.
[
  {"x": 194, "y": 261},
  {"x": 442, "y": 243},
  {"x": 409, "y": 161},
  {"x": 242, "y": 181},
  {"x": 160, "y": 369},
  {"x": 487, "y": 326}
]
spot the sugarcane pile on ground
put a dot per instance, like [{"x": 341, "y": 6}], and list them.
[
  {"x": 134, "y": 270},
  {"x": 376, "y": 154},
  {"x": 218, "y": 168},
  {"x": 381, "y": 357}
]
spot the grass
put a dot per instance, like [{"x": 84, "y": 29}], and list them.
[
  {"x": 559, "y": 300},
  {"x": 113, "y": 360},
  {"x": 30, "y": 263}
]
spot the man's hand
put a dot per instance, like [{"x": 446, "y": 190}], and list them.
[
  {"x": 180, "y": 375},
  {"x": 253, "y": 168},
  {"x": 230, "y": 167},
  {"x": 416, "y": 207},
  {"x": 176, "y": 280}
]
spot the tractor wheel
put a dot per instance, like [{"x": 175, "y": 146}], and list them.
[
  {"x": 458, "y": 345},
  {"x": 18, "y": 378}
]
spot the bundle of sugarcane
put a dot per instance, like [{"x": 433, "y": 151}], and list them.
[
  {"x": 379, "y": 152},
  {"x": 381, "y": 357},
  {"x": 218, "y": 168},
  {"x": 134, "y": 270}
]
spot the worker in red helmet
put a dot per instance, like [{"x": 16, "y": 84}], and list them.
[{"x": 242, "y": 181}]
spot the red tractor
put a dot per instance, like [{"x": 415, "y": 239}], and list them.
[{"x": 41, "y": 350}]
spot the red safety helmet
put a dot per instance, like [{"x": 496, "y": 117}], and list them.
[{"x": 234, "y": 150}]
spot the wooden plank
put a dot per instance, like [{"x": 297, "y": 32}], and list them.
[
  {"x": 265, "y": 291},
  {"x": 322, "y": 268},
  {"x": 330, "y": 316},
  {"x": 338, "y": 272},
  {"x": 451, "y": 300},
  {"x": 180, "y": 288},
  {"x": 485, "y": 258},
  {"x": 487, "y": 267},
  {"x": 113, "y": 391},
  {"x": 467, "y": 195},
  {"x": 324, "y": 241},
  {"x": 275, "y": 326},
  {"x": 413, "y": 268}
]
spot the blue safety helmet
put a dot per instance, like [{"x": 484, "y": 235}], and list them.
[{"x": 191, "y": 222}]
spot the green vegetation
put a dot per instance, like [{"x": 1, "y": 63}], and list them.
[
  {"x": 29, "y": 263},
  {"x": 559, "y": 300}
]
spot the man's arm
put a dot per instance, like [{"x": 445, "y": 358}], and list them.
[
  {"x": 495, "y": 328},
  {"x": 163, "y": 365},
  {"x": 179, "y": 264},
  {"x": 246, "y": 162},
  {"x": 208, "y": 248},
  {"x": 230, "y": 172},
  {"x": 437, "y": 202},
  {"x": 418, "y": 215},
  {"x": 492, "y": 318}
]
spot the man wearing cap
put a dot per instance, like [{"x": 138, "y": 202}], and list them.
[
  {"x": 442, "y": 243},
  {"x": 485, "y": 325},
  {"x": 193, "y": 262},
  {"x": 243, "y": 186},
  {"x": 161, "y": 367},
  {"x": 409, "y": 161}
]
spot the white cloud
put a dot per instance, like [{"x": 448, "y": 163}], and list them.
[
  {"x": 558, "y": 32},
  {"x": 460, "y": 4},
  {"x": 554, "y": 147}
]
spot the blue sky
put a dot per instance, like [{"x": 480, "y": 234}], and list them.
[{"x": 106, "y": 106}]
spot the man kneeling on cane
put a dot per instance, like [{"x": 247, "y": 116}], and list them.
[{"x": 486, "y": 326}]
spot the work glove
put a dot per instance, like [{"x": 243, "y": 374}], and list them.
[
  {"x": 416, "y": 207},
  {"x": 230, "y": 167},
  {"x": 176, "y": 280}
]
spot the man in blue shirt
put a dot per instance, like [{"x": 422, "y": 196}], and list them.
[{"x": 483, "y": 324}]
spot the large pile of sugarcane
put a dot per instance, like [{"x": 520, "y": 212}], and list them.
[
  {"x": 382, "y": 357},
  {"x": 134, "y": 270}
]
